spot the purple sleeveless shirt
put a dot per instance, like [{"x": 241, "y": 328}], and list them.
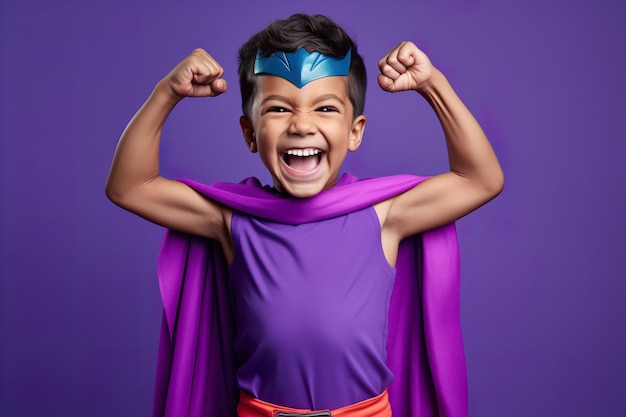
[{"x": 311, "y": 303}]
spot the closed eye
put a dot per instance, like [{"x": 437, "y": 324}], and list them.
[{"x": 276, "y": 109}]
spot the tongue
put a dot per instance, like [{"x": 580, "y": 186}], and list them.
[{"x": 302, "y": 163}]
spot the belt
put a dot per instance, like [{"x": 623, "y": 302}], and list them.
[{"x": 374, "y": 407}]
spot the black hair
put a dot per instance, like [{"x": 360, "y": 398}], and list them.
[{"x": 315, "y": 33}]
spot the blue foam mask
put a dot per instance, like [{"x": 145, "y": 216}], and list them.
[{"x": 301, "y": 67}]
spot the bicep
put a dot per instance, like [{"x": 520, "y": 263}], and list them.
[
  {"x": 177, "y": 206},
  {"x": 435, "y": 202}
]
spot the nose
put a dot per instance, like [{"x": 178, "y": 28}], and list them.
[{"x": 302, "y": 124}]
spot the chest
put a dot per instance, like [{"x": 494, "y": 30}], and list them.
[{"x": 335, "y": 261}]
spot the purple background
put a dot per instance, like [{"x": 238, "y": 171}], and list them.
[{"x": 543, "y": 265}]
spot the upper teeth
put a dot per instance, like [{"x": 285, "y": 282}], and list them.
[{"x": 303, "y": 152}]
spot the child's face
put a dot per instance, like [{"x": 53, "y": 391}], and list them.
[{"x": 303, "y": 135}]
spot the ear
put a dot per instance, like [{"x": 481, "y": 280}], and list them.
[
  {"x": 356, "y": 134},
  {"x": 248, "y": 133}
]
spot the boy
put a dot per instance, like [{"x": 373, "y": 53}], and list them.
[{"x": 301, "y": 312}]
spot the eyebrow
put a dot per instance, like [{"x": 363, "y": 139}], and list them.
[{"x": 329, "y": 96}]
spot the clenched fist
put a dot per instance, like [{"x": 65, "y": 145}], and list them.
[
  {"x": 404, "y": 68},
  {"x": 198, "y": 75}
]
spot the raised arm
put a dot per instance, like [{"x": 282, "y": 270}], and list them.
[
  {"x": 134, "y": 182},
  {"x": 475, "y": 176}
]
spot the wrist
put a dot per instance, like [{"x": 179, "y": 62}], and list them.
[
  {"x": 434, "y": 85},
  {"x": 165, "y": 95},
  {"x": 432, "y": 82}
]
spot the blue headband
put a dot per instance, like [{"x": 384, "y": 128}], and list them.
[{"x": 301, "y": 67}]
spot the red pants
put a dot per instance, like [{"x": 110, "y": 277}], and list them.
[{"x": 374, "y": 407}]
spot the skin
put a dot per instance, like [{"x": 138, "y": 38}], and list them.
[{"x": 317, "y": 117}]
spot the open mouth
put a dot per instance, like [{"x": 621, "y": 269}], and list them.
[{"x": 303, "y": 160}]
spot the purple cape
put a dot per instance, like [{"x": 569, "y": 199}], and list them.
[{"x": 196, "y": 364}]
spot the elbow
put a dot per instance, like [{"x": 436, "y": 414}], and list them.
[
  {"x": 495, "y": 184},
  {"x": 114, "y": 193},
  {"x": 127, "y": 195}
]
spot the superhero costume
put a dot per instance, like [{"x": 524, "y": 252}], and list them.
[
  {"x": 196, "y": 367},
  {"x": 311, "y": 303}
]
